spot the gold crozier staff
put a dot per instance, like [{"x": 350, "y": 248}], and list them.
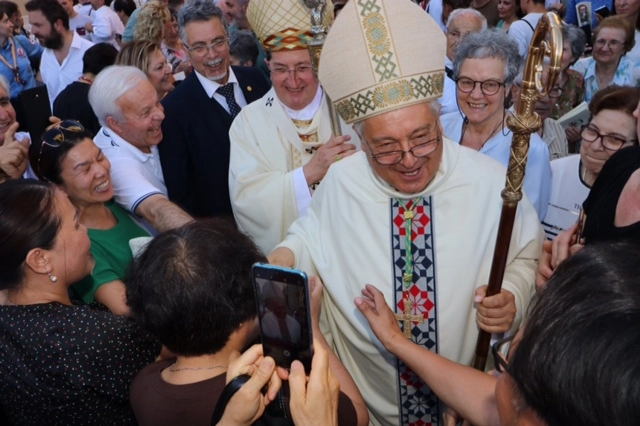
[{"x": 546, "y": 41}]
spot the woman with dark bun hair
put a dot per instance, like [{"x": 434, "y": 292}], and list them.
[
  {"x": 66, "y": 155},
  {"x": 60, "y": 364}
]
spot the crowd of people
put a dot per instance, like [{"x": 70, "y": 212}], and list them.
[{"x": 191, "y": 139}]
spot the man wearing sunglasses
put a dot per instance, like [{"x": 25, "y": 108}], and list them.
[
  {"x": 281, "y": 145},
  {"x": 414, "y": 214},
  {"x": 195, "y": 149}
]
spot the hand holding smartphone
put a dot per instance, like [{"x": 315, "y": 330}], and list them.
[{"x": 282, "y": 297}]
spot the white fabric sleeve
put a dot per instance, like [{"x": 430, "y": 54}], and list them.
[
  {"x": 130, "y": 184},
  {"x": 303, "y": 195},
  {"x": 101, "y": 29},
  {"x": 519, "y": 31}
]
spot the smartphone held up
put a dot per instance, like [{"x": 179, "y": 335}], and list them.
[{"x": 282, "y": 297}]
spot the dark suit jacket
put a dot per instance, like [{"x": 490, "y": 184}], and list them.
[{"x": 194, "y": 152}]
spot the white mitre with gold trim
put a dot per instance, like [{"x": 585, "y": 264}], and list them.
[
  {"x": 284, "y": 24},
  {"x": 382, "y": 55}
]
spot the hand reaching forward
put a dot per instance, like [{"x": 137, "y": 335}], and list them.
[{"x": 381, "y": 318}]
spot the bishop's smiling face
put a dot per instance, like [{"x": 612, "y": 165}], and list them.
[
  {"x": 398, "y": 130},
  {"x": 292, "y": 78}
]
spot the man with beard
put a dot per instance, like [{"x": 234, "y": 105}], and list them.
[
  {"x": 195, "y": 149},
  {"x": 61, "y": 62}
]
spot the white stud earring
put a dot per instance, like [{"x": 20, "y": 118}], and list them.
[{"x": 52, "y": 278}]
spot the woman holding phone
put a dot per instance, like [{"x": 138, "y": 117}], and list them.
[{"x": 203, "y": 269}]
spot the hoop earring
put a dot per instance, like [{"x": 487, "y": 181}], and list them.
[{"x": 52, "y": 278}]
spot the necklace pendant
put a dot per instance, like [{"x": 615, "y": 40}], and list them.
[{"x": 408, "y": 214}]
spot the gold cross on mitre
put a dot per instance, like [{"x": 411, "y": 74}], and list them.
[{"x": 407, "y": 318}]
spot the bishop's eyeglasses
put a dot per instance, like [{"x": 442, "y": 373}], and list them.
[{"x": 421, "y": 147}]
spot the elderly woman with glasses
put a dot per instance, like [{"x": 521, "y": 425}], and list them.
[
  {"x": 60, "y": 363},
  {"x": 612, "y": 127},
  {"x": 558, "y": 370},
  {"x": 613, "y": 38},
  {"x": 485, "y": 66},
  {"x": 67, "y": 157}
]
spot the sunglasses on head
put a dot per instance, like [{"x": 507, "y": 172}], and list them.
[{"x": 55, "y": 135}]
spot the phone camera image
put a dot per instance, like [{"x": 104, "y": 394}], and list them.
[{"x": 284, "y": 320}]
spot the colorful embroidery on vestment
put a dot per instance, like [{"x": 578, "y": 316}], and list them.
[{"x": 418, "y": 405}]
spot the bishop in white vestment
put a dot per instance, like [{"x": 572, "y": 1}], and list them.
[
  {"x": 281, "y": 145},
  {"x": 268, "y": 149},
  {"x": 414, "y": 213}
]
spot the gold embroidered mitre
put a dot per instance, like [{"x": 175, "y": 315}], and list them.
[
  {"x": 284, "y": 24},
  {"x": 382, "y": 55}
]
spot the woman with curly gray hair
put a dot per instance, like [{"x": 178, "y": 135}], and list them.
[{"x": 485, "y": 65}]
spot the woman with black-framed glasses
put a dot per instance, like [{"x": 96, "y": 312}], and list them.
[
  {"x": 67, "y": 156},
  {"x": 485, "y": 65},
  {"x": 612, "y": 127},
  {"x": 574, "y": 363}
]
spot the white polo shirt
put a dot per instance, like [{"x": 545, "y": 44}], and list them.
[
  {"x": 135, "y": 176},
  {"x": 58, "y": 76}
]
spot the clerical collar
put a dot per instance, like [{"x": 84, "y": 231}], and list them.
[{"x": 308, "y": 112}]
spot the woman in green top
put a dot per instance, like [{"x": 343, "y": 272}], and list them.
[{"x": 67, "y": 157}]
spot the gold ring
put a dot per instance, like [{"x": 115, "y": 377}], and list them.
[{"x": 337, "y": 157}]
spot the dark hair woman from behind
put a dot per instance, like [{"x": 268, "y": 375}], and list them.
[
  {"x": 60, "y": 364},
  {"x": 577, "y": 362},
  {"x": 192, "y": 288}
]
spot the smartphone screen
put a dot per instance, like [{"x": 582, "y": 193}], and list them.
[{"x": 282, "y": 297}]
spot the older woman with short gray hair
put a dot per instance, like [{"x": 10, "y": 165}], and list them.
[{"x": 485, "y": 66}]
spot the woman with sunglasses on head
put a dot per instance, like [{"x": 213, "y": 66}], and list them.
[
  {"x": 67, "y": 156},
  {"x": 60, "y": 364},
  {"x": 612, "y": 127},
  {"x": 613, "y": 38},
  {"x": 573, "y": 363},
  {"x": 485, "y": 65}
]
